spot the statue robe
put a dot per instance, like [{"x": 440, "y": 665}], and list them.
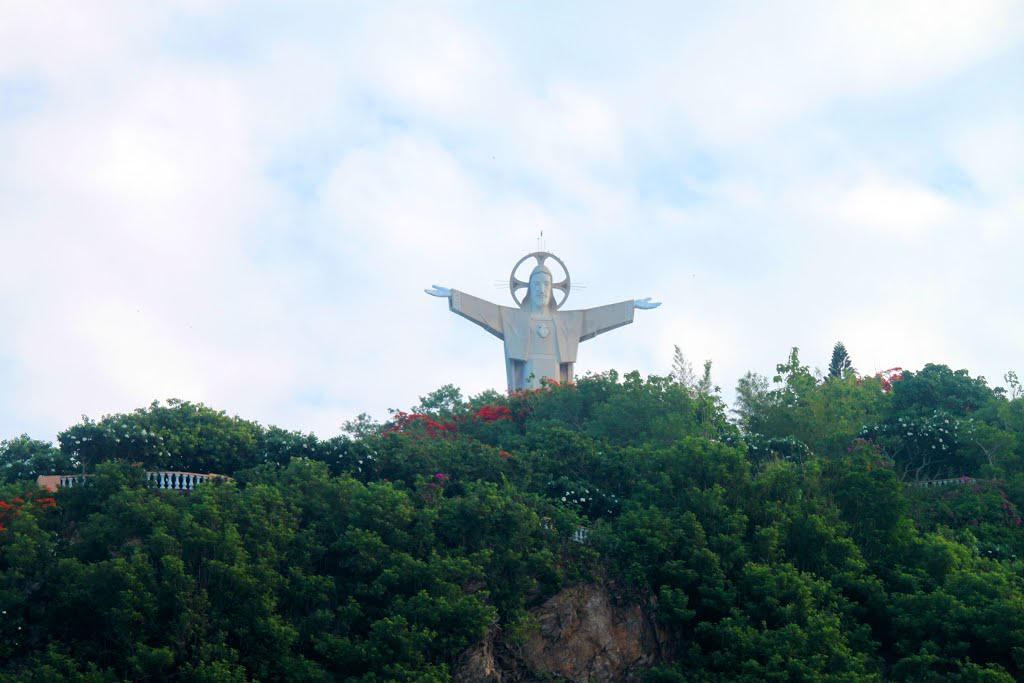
[{"x": 517, "y": 327}]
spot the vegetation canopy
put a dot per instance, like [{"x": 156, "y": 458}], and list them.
[{"x": 836, "y": 528}]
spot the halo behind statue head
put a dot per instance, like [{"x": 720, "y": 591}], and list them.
[{"x": 515, "y": 284}]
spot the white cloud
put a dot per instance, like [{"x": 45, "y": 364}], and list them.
[
  {"x": 894, "y": 209},
  {"x": 432, "y": 60},
  {"x": 67, "y": 41},
  {"x": 747, "y": 72},
  {"x": 988, "y": 151},
  {"x": 253, "y": 227},
  {"x": 887, "y": 45},
  {"x": 135, "y": 351},
  {"x": 405, "y": 195}
]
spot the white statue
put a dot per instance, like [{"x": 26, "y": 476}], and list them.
[{"x": 540, "y": 340}]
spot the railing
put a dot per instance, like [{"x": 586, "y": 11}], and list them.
[
  {"x": 69, "y": 480},
  {"x": 579, "y": 534},
  {"x": 944, "y": 482},
  {"x": 179, "y": 481},
  {"x": 169, "y": 481}
]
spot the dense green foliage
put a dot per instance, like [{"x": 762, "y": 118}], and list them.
[{"x": 796, "y": 542}]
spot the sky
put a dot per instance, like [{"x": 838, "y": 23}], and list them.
[{"x": 241, "y": 203}]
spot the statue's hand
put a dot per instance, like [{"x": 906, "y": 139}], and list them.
[
  {"x": 646, "y": 303},
  {"x": 438, "y": 291}
]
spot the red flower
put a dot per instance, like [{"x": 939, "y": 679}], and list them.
[
  {"x": 888, "y": 377},
  {"x": 490, "y": 414},
  {"x": 431, "y": 426}
]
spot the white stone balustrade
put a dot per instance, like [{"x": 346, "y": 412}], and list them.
[
  {"x": 169, "y": 481},
  {"x": 177, "y": 481},
  {"x": 956, "y": 481},
  {"x": 579, "y": 535}
]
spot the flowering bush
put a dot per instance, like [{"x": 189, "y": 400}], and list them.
[
  {"x": 761, "y": 448},
  {"x": 523, "y": 403},
  {"x": 923, "y": 446},
  {"x": 9, "y": 511},
  {"x": 425, "y": 426},
  {"x": 420, "y": 425},
  {"x": 584, "y": 496},
  {"x": 888, "y": 377},
  {"x": 432, "y": 488},
  {"x": 491, "y": 414}
]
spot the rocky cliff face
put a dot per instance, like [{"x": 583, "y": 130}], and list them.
[{"x": 586, "y": 633}]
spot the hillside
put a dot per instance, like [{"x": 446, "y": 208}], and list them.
[{"x": 835, "y": 529}]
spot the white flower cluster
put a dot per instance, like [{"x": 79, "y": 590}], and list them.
[
  {"x": 585, "y": 495},
  {"x": 573, "y": 497},
  {"x": 787, "y": 447},
  {"x": 937, "y": 432},
  {"x": 369, "y": 457},
  {"x": 117, "y": 431}
]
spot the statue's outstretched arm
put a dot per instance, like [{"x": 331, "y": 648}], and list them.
[
  {"x": 483, "y": 313},
  {"x": 606, "y": 318},
  {"x": 646, "y": 303}
]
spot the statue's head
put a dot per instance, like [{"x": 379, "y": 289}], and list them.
[
  {"x": 540, "y": 288},
  {"x": 541, "y": 284}
]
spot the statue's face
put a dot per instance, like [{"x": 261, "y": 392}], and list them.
[{"x": 540, "y": 290}]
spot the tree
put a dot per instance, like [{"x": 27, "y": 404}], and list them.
[
  {"x": 776, "y": 412},
  {"x": 797, "y": 379},
  {"x": 443, "y": 402},
  {"x": 682, "y": 370},
  {"x": 1012, "y": 381},
  {"x": 794, "y": 553},
  {"x": 841, "y": 364},
  {"x": 937, "y": 387},
  {"x": 753, "y": 398},
  {"x": 704, "y": 386},
  {"x": 362, "y": 426},
  {"x": 25, "y": 458},
  {"x": 710, "y": 409}
]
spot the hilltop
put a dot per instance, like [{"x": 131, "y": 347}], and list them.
[{"x": 837, "y": 528}]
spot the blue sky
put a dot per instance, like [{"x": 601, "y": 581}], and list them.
[{"x": 241, "y": 203}]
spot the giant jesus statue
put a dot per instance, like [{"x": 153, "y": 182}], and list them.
[{"x": 540, "y": 340}]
